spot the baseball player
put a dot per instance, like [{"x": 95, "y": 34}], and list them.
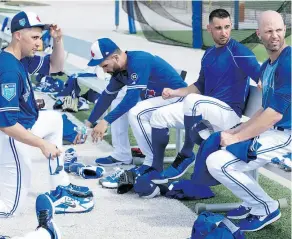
[
  {"x": 21, "y": 124},
  {"x": 270, "y": 127},
  {"x": 214, "y": 102},
  {"x": 143, "y": 72}
]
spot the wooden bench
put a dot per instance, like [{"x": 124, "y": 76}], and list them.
[{"x": 254, "y": 102}]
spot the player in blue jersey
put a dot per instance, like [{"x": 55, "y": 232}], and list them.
[
  {"x": 270, "y": 127},
  {"x": 146, "y": 75},
  {"x": 214, "y": 102},
  {"x": 21, "y": 124}
]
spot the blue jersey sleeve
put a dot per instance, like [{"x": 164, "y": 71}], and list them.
[
  {"x": 200, "y": 83},
  {"x": 9, "y": 98},
  {"x": 37, "y": 64},
  {"x": 280, "y": 100},
  {"x": 139, "y": 74},
  {"x": 247, "y": 62},
  {"x": 130, "y": 100}
]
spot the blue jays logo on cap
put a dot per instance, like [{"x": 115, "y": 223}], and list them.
[
  {"x": 22, "y": 22},
  {"x": 8, "y": 91},
  {"x": 100, "y": 50}
]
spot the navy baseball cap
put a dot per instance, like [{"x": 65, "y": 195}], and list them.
[
  {"x": 24, "y": 20},
  {"x": 100, "y": 50}
]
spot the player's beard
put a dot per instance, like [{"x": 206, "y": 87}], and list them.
[
  {"x": 274, "y": 47},
  {"x": 221, "y": 42}
]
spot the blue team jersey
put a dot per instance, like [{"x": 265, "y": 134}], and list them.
[
  {"x": 225, "y": 73},
  {"x": 147, "y": 72},
  {"x": 276, "y": 80},
  {"x": 146, "y": 75},
  {"x": 17, "y": 102}
]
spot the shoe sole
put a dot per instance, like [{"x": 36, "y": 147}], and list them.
[
  {"x": 105, "y": 185},
  {"x": 262, "y": 226},
  {"x": 64, "y": 211},
  {"x": 152, "y": 195},
  {"x": 178, "y": 176},
  {"x": 239, "y": 217}
]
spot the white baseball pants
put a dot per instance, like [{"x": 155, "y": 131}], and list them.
[{"x": 234, "y": 173}]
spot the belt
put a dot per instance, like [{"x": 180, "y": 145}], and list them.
[{"x": 281, "y": 128}]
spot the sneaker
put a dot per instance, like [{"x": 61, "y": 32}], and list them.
[
  {"x": 65, "y": 202},
  {"x": 70, "y": 157},
  {"x": 137, "y": 153},
  {"x": 91, "y": 172},
  {"x": 45, "y": 211},
  {"x": 151, "y": 174},
  {"x": 79, "y": 191},
  {"x": 238, "y": 213},
  {"x": 109, "y": 161},
  {"x": 254, "y": 223},
  {"x": 146, "y": 188},
  {"x": 179, "y": 167},
  {"x": 75, "y": 167},
  {"x": 112, "y": 180},
  {"x": 82, "y": 104},
  {"x": 140, "y": 170}
]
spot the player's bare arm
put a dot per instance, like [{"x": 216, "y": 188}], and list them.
[
  {"x": 170, "y": 93},
  {"x": 58, "y": 54},
  {"x": 19, "y": 133}
]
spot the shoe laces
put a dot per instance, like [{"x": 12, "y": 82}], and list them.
[
  {"x": 43, "y": 217},
  {"x": 178, "y": 160},
  {"x": 251, "y": 217},
  {"x": 117, "y": 173}
]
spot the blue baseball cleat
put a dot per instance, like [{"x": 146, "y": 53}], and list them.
[
  {"x": 65, "y": 202},
  {"x": 238, "y": 213},
  {"x": 45, "y": 211},
  {"x": 179, "y": 167},
  {"x": 69, "y": 158},
  {"x": 78, "y": 191},
  {"x": 153, "y": 175},
  {"x": 110, "y": 161},
  {"x": 254, "y": 223},
  {"x": 112, "y": 180},
  {"x": 91, "y": 172}
]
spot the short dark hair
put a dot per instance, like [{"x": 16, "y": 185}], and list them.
[{"x": 219, "y": 13}]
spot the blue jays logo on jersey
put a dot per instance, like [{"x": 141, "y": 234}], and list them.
[
  {"x": 8, "y": 91},
  {"x": 22, "y": 22},
  {"x": 134, "y": 77}
]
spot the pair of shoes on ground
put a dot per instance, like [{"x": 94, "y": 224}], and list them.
[
  {"x": 249, "y": 222},
  {"x": 71, "y": 165}
]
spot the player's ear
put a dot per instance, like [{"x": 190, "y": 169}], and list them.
[
  {"x": 17, "y": 35},
  {"x": 258, "y": 34},
  {"x": 209, "y": 28}
]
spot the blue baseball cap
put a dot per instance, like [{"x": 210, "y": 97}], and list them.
[
  {"x": 24, "y": 20},
  {"x": 100, "y": 50}
]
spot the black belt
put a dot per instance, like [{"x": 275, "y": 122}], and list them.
[{"x": 279, "y": 128}]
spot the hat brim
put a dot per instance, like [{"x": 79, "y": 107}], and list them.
[
  {"x": 94, "y": 62},
  {"x": 43, "y": 26}
]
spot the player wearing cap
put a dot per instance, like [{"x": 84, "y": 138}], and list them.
[
  {"x": 270, "y": 129},
  {"x": 21, "y": 124},
  {"x": 143, "y": 72}
]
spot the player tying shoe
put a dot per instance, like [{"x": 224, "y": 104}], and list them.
[
  {"x": 270, "y": 128},
  {"x": 144, "y": 73},
  {"x": 214, "y": 102},
  {"x": 22, "y": 125}
]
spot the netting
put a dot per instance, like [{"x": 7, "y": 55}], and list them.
[{"x": 170, "y": 22}]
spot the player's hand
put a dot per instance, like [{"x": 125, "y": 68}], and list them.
[
  {"x": 260, "y": 86},
  {"x": 167, "y": 93},
  {"x": 79, "y": 140},
  {"x": 55, "y": 32},
  {"x": 99, "y": 130},
  {"x": 88, "y": 124},
  {"x": 228, "y": 139},
  {"x": 49, "y": 149}
]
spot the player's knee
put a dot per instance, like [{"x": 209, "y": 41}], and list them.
[
  {"x": 213, "y": 162},
  {"x": 133, "y": 114},
  {"x": 158, "y": 120},
  {"x": 190, "y": 103}
]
